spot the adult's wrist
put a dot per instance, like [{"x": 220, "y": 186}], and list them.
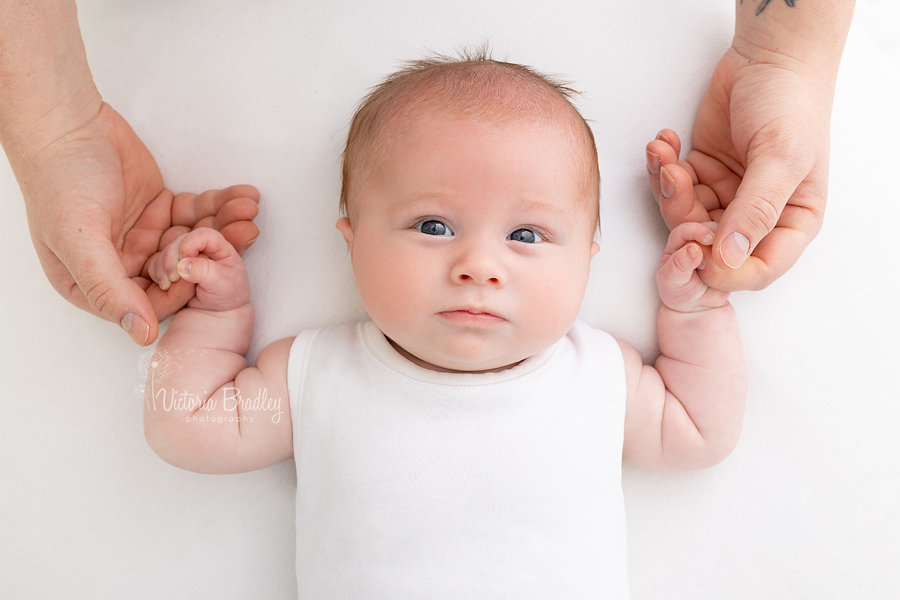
[
  {"x": 799, "y": 35},
  {"x": 46, "y": 87}
]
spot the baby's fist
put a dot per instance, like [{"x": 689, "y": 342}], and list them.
[
  {"x": 204, "y": 257},
  {"x": 688, "y": 251}
]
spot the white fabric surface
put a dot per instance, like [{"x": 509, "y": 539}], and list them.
[
  {"x": 418, "y": 485},
  {"x": 261, "y": 92}
]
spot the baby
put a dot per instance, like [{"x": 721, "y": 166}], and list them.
[{"x": 468, "y": 440}]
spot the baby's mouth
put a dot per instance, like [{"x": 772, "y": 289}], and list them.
[{"x": 472, "y": 316}]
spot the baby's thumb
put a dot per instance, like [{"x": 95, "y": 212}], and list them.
[
  {"x": 766, "y": 187},
  {"x": 216, "y": 283},
  {"x": 97, "y": 269}
]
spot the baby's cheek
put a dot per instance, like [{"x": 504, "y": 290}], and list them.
[
  {"x": 556, "y": 306},
  {"x": 388, "y": 290}
]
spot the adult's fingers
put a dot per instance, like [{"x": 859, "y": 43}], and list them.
[
  {"x": 188, "y": 209},
  {"x": 672, "y": 181},
  {"x": 678, "y": 201},
  {"x": 670, "y": 137},
  {"x": 659, "y": 153}
]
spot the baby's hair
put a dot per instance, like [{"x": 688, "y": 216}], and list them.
[{"x": 471, "y": 84}]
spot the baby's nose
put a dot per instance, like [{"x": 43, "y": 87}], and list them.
[
  {"x": 479, "y": 266},
  {"x": 465, "y": 276}
]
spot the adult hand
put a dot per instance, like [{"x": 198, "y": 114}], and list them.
[
  {"x": 98, "y": 212},
  {"x": 759, "y": 168}
]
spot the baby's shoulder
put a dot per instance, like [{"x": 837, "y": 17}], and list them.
[{"x": 583, "y": 334}]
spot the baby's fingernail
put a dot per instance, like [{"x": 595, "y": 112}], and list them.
[
  {"x": 666, "y": 183},
  {"x": 693, "y": 252},
  {"x": 135, "y": 327},
  {"x": 735, "y": 249},
  {"x": 250, "y": 243},
  {"x": 662, "y": 136},
  {"x": 184, "y": 267}
]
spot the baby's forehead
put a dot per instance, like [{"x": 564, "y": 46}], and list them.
[
  {"x": 497, "y": 96},
  {"x": 427, "y": 117}
]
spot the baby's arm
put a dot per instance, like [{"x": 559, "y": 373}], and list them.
[
  {"x": 686, "y": 412},
  {"x": 206, "y": 409}
]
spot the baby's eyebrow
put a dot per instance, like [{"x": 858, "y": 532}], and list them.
[
  {"x": 534, "y": 211},
  {"x": 532, "y": 205},
  {"x": 410, "y": 202},
  {"x": 426, "y": 197}
]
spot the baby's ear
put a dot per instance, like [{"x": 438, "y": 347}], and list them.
[{"x": 343, "y": 225}]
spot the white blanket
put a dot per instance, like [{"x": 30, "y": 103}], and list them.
[{"x": 261, "y": 92}]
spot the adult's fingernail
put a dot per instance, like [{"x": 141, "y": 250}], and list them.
[
  {"x": 136, "y": 327},
  {"x": 666, "y": 183},
  {"x": 653, "y": 162},
  {"x": 735, "y": 249}
]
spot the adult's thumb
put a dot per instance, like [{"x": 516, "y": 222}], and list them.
[
  {"x": 97, "y": 270},
  {"x": 767, "y": 185}
]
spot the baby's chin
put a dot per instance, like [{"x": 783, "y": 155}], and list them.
[{"x": 445, "y": 365}]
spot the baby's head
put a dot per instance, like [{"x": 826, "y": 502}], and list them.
[{"x": 471, "y": 191}]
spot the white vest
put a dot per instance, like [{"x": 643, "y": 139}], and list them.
[{"x": 417, "y": 484}]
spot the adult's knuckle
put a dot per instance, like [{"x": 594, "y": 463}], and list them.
[
  {"x": 99, "y": 295},
  {"x": 761, "y": 214}
]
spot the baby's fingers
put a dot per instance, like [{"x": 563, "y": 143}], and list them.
[
  {"x": 203, "y": 257},
  {"x": 678, "y": 280},
  {"x": 703, "y": 233},
  {"x": 680, "y": 287},
  {"x": 208, "y": 260},
  {"x": 680, "y": 270},
  {"x": 215, "y": 282},
  {"x": 162, "y": 267},
  {"x": 209, "y": 242}
]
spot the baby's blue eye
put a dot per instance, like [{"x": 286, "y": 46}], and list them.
[
  {"x": 433, "y": 227},
  {"x": 525, "y": 235}
]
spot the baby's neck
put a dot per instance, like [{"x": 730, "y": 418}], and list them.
[{"x": 427, "y": 365}]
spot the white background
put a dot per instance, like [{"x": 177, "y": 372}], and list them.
[{"x": 227, "y": 92}]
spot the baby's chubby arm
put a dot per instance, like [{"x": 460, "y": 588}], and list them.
[
  {"x": 206, "y": 410},
  {"x": 686, "y": 411}
]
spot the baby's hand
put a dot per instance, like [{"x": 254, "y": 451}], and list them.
[
  {"x": 680, "y": 286},
  {"x": 204, "y": 257}
]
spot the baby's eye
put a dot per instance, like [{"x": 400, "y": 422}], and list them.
[
  {"x": 525, "y": 235},
  {"x": 433, "y": 227}
]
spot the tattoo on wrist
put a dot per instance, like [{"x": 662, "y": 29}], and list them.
[{"x": 764, "y": 3}]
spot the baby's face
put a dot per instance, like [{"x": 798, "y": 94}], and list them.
[{"x": 471, "y": 249}]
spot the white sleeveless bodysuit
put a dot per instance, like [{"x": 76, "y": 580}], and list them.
[{"x": 416, "y": 484}]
